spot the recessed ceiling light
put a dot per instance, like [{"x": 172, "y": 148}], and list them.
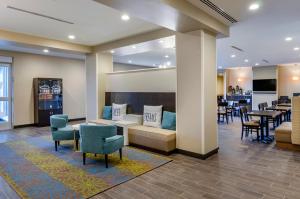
[
  {"x": 168, "y": 63},
  {"x": 257, "y": 64},
  {"x": 254, "y": 6},
  {"x": 296, "y": 48},
  {"x": 288, "y": 38},
  {"x": 45, "y": 50},
  {"x": 161, "y": 41},
  {"x": 220, "y": 67},
  {"x": 71, "y": 37},
  {"x": 233, "y": 56},
  {"x": 112, "y": 51},
  {"x": 129, "y": 61},
  {"x": 166, "y": 56},
  {"x": 246, "y": 60},
  {"x": 134, "y": 46},
  {"x": 125, "y": 17}
]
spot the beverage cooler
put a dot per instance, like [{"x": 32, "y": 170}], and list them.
[{"x": 48, "y": 99}]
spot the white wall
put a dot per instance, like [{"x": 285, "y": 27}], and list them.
[
  {"x": 148, "y": 80},
  {"x": 287, "y": 85},
  {"x": 265, "y": 72},
  {"x": 28, "y": 66}
]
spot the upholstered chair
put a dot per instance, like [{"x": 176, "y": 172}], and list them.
[
  {"x": 100, "y": 139},
  {"x": 61, "y": 131}
]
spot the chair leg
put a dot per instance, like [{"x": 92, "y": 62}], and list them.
[
  {"x": 120, "y": 152},
  {"x": 55, "y": 145},
  {"x": 242, "y": 133},
  {"x": 226, "y": 118},
  {"x": 95, "y": 154},
  {"x": 257, "y": 135},
  {"x": 58, "y": 143},
  {"x": 106, "y": 160},
  {"x": 83, "y": 158},
  {"x": 77, "y": 145}
]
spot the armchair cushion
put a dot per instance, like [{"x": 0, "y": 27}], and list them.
[{"x": 113, "y": 144}]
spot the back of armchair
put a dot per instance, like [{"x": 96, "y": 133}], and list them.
[
  {"x": 92, "y": 137},
  {"x": 296, "y": 120}
]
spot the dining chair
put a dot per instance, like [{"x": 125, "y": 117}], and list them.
[
  {"x": 225, "y": 112},
  {"x": 61, "y": 130},
  {"x": 247, "y": 125},
  {"x": 100, "y": 139}
]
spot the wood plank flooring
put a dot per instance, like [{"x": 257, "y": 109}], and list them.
[{"x": 241, "y": 169}]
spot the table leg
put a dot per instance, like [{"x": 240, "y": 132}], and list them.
[{"x": 261, "y": 127}]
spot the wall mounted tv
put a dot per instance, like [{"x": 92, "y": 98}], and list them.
[{"x": 264, "y": 85}]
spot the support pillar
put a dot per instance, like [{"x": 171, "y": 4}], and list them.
[
  {"x": 196, "y": 93},
  {"x": 97, "y": 65}
]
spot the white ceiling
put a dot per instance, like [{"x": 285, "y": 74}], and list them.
[
  {"x": 261, "y": 33},
  {"x": 94, "y": 23},
  {"x": 150, "y": 53}
]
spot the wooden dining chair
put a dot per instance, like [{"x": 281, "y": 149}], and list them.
[
  {"x": 247, "y": 125},
  {"x": 225, "y": 112}
]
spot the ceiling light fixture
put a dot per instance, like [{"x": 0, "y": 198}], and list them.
[
  {"x": 288, "y": 38},
  {"x": 254, "y": 6},
  {"x": 125, "y": 17},
  {"x": 112, "y": 51},
  {"x": 129, "y": 61},
  {"x": 246, "y": 60},
  {"x": 296, "y": 48},
  {"x": 257, "y": 64},
  {"x": 220, "y": 67},
  {"x": 161, "y": 41},
  {"x": 134, "y": 47},
  {"x": 295, "y": 78},
  {"x": 71, "y": 37},
  {"x": 168, "y": 63},
  {"x": 166, "y": 56},
  {"x": 233, "y": 56},
  {"x": 45, "y": 50}
]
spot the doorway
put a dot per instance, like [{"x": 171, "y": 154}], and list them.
[{"x": 5, "y": 96}]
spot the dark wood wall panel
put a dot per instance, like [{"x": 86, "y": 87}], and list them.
[{"x": 137, "y": 100}]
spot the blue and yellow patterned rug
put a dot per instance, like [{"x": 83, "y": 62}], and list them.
[{"x": 35, "y": 170}]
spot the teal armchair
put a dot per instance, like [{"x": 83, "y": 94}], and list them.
[
  {"x": 61, "y": 131},
  {"x": 100, "y": 139}
]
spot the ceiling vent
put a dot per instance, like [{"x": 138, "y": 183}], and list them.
[
  {"x": 218, "y": 10},
  {"x": 237, "y": 48},
  {"x": 266, "y": 61},
  {"x": 39, "y": 14}
]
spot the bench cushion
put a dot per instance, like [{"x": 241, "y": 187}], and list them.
[
  {"x": 283, "y": 132},
  {"x": 155, "y": 138}
]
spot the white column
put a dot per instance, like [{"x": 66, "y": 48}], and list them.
[
  {"x": 196, "y": 92},
  {"x": 97, "y": 65}
]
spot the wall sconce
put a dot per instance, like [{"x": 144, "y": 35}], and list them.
[
  {"x": 295, "y": 78},
  {"x": 239, "y": 79}
]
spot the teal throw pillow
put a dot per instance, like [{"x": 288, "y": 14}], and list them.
[
  {"x": 107, "y": 113},
  {"x": 169, "y": 121}
]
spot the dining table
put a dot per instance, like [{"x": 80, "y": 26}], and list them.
[
  {"x": 284, "y": 109},
  {"x": 264, "y": 122}
]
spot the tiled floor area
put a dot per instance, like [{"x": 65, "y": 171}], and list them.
[{"x": 240, "y": 170}]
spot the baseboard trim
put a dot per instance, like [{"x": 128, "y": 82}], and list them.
[
  {"x": 197, "y": 155},
  {"x": 31, "y": 125},
  {"x": 23, "y": 126},
  {"x": 77, "y": 119}
]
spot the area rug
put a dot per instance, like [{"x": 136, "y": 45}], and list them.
[{"x": 35, "y": 170}]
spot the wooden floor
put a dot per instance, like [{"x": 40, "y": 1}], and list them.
[{"x": 241, "y": 169}]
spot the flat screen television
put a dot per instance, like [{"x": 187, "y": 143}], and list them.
[{"x": 264, "y": 85}]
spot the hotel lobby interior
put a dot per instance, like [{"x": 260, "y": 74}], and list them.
[{"x": 170, "y": 99}]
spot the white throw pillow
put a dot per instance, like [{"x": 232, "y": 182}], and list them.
[
  {"x": 152, "y": 116},
  {"x": 118, "y": 111}
]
